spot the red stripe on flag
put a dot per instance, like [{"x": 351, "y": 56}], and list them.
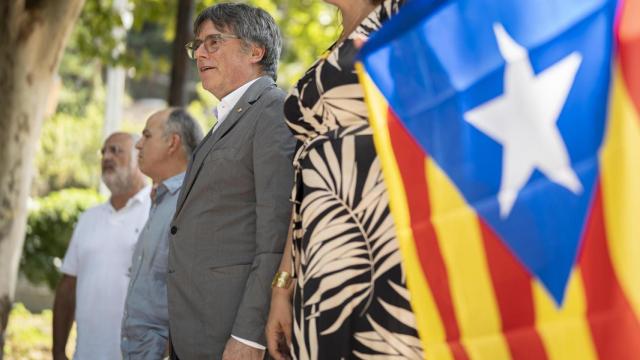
[
  {"x": 411, "y": 162},
  {"x": 614, "y": 327},
  {"x": 512, "y": 286},
  {"x": 629, "y": 47}
]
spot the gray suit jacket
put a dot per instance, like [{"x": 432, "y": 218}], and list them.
[{"x": 230, "y": 227}]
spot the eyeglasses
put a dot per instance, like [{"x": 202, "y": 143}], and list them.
[
  {"x": 113, "y": 149},
  {"x": 211, "y": 43}
]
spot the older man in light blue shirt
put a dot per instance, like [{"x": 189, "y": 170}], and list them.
[{"x": 168, "y": 140}]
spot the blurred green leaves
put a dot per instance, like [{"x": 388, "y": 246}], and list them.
[
  {"x": 308, "y": 27},
  {"x": 29, "y": 335},
  {"x": 49, "y": 228},
  {"x": 67, "y": 154}
]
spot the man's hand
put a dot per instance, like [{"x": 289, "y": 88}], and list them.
[
  {"x": 279, "y": 324},
  {"x": 235, "y": 350}
]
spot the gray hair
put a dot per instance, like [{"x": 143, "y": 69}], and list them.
[
  {"x": 251, "y": 24},
  {"x": 184, "y": 125}
]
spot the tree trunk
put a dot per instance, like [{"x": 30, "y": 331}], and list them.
[
  {"x": 33, "y": 34},
  {"x": 180, "y": 61}
]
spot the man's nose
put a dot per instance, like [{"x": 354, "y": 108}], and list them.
[
  {"x": 200, "y": 52},
  {"x": 107, "y": 155}
]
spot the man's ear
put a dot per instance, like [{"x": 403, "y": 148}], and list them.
[
  {"x": 175, "y": 143},
  {"x": 257, "y": 53}
]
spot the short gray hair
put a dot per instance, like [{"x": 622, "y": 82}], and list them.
[
  {"x": 251, "y": 24},
  {"x": 184, "y": 125}
]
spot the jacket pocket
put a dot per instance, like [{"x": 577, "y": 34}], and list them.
[
  {"x": 241, "y": 270},
  {"x": 226, "y": 153}
]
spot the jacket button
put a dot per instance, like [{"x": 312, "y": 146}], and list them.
[{"x": 174, "y": 230}]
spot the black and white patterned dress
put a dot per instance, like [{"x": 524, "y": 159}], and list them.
[{"x": 350, "y": 299}]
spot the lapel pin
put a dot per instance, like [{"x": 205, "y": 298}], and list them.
[{"x": 239, "y": 109}]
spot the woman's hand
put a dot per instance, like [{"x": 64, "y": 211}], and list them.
[{"x": 279, "y": 324}]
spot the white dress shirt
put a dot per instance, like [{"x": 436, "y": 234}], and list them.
[{"x": 228, "y": 102}]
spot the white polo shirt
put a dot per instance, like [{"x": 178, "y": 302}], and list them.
[{"x": 99, "y": 255}]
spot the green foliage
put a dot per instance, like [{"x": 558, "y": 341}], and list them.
[
  {"x": 94, "y": 34},
  {"x": 101, "y": 34},
  {"x": 308, "y": 26},
  {"x": 29, "y": 335},
  {"x": 49, "y": 228},
  {"x": 80, "y": 84},
  {"x": 68, "y": 152}
]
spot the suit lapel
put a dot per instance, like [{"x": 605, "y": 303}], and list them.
[
  {"x": 208, "y": 143},
  {"x": 188, "y": 179}
]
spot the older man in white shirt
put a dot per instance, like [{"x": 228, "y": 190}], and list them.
[{"x": 95, "y": 267}]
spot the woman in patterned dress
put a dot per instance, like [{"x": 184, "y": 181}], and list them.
[{"x": 349, "y": 298}]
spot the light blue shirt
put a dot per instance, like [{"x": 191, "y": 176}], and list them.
[{"x": 145, "y": 323}]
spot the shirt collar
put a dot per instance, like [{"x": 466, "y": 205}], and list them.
[
  {"x": 141, "y": 196},
  {"x": 174, "y": 183},
  {"x": 228, "y": 102}
]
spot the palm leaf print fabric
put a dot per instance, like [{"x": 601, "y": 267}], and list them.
[{"x": 350, "y": 300}]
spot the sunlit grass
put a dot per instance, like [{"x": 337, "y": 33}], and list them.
[{"x": 29, "y": 336}]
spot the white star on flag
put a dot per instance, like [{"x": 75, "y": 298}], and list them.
[{"x": 523, "y": 120}]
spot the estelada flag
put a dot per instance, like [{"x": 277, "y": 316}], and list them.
[{"x": 509, "y": 134}]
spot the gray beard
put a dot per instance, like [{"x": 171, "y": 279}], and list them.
[{"x": 120, "y": 181}]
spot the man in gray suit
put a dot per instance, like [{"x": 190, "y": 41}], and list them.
[{"x": 232, "y": 215}]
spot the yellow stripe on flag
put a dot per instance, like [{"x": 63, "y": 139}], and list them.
[
  {"x": 430, "y": 327},
  {"x": 620, "y": 173},
  {"x": 460, "y": 239},
  {"x": 564, "y": 332}
]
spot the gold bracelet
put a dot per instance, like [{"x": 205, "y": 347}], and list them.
[{"x": 282, "y": 280}]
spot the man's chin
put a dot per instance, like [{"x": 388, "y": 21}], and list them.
[
  {"x": 106, "y": 179},
  {"x": 112, "y": 183},
  {"x": 211, "y": 86}
]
